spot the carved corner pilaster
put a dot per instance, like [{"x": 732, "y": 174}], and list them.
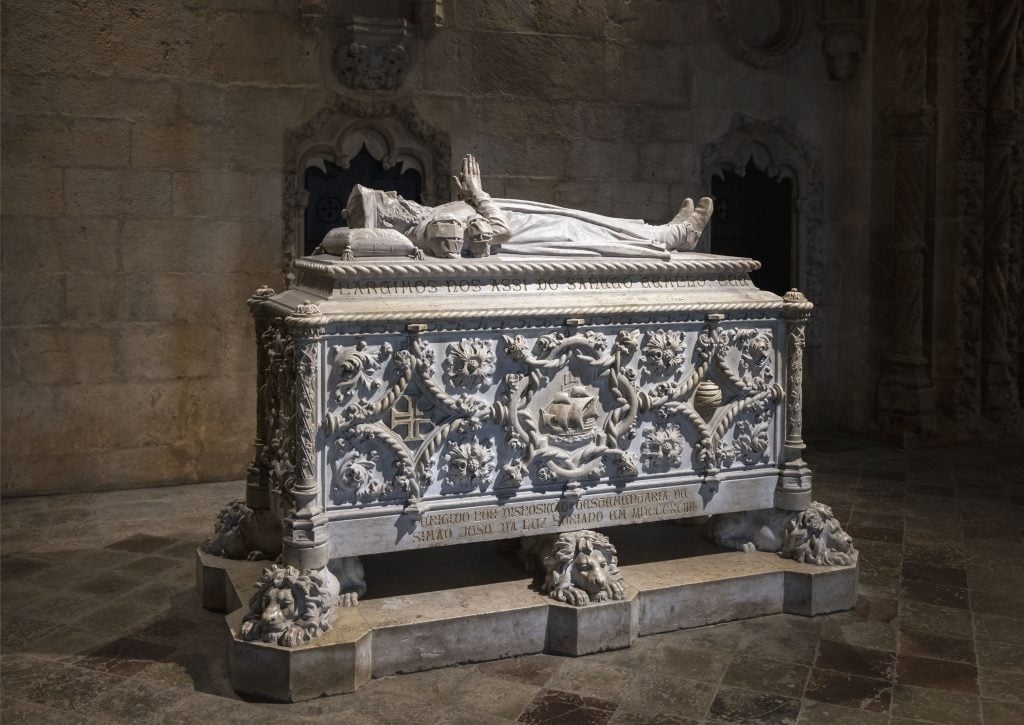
[
  {"x": 305, "y": 542},
  {"x": 794, "y": 489}
]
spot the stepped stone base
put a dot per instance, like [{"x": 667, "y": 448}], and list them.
[{"x": 423, "y": 629}]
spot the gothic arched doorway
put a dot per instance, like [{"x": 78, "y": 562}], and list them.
[{"x": 754, "y": 218}]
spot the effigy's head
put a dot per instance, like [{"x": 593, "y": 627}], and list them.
[
  {"x": 445, "y": 236},
  {"x": 375, "y": 209}
]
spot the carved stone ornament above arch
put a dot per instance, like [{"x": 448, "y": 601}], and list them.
[
  {"x": 778, "y": 150},
  {"x": 762, "y": 33},
  {"x": 391, "y": 132}
]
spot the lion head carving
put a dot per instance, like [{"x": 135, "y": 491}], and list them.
[
  {"x": 582, "y": 566},
  {"x": 228, "y": 539},
  {"x": 288, "y": 608},
  {"x": 814, "y": 536}
]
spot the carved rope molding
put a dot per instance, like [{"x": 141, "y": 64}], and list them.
[{"x": 494, "y": 267}]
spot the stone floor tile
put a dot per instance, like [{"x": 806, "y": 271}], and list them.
[
  {"x": 786, "y": 679},
  {"x": 705, "y": 665},
  {"x": 1002, "y": 713},
  {"x": 867, "y": 532},
  {"x": 936, "y": 674},
  {"x": 124, "y": 656},
  {"x": 949, "y": 576},
  {"x": 67, "y": 687},
  {"x": 554, "y": 707},
  {"x": 735, "y": 705},
  {"x": 855, "y": 630},
  {"x": 1000, "y": 629},
  {"x": 932, "y": 705},
  {"x": 946, "y": 621},
  {"x": 816, "y": 713},
  {"x": 937, "y": 594},
  {"x": 936, "y": 646},
  {"x": 1001, "y": 685},
  {"x": 656, "y": 693},
  {"x": 134, "y": 702},
  {"x": 1000, "y": 655},
  {"x": 492, "y": 696},
  {"x": 142, "y": 543},
  {"x": 17, "y": 712},
  {"x": 999, "y": 603},
  {"x": 581, "y": 677},
  {"x": 625, "y": 716},
  {"x": 839, "y": 688},
  {"x": 853, "y": 660},
  {"x": 529, "y": 670},
  {"x": 879, "y": 609}
]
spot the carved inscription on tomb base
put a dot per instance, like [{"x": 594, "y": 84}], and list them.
[{"x": 538, "y": 517}]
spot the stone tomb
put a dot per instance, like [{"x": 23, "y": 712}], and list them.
[{"x": 411, "y": 403}]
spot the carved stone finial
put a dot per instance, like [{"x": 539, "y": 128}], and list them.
[
  {"x": 264, "y": 291},
  {"x": 374, "y": 56}
]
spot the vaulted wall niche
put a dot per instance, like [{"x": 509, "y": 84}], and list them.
[{"x": 384, "y": 145}]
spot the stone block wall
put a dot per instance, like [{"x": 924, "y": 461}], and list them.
[{"x": 143, "y": 151}]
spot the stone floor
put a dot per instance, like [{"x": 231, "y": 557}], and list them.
[{"x": 100, "y": 621}]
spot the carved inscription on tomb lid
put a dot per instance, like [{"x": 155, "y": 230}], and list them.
[{"x": 535, "y": 285}]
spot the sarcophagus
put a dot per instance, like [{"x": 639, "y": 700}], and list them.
[
  {"x": 584, "y": 373},
  {"x": 408, "y": 403}
]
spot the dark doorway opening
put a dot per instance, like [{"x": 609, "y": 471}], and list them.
[
  {"x": 328, "y": 192},
  {"x": 754, "y": 218}
]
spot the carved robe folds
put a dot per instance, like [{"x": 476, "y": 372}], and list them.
[{"x": 412, "y": 403}]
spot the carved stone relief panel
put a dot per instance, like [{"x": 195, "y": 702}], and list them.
[{"x": 490, "y": 412}]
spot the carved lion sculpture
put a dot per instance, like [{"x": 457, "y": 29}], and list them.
[
  {"x": 581, "y": 567},
  {"x": 242, "y": 533},
  {"x": 813, "y": 536},
  {"x": 288, "y": 608}
]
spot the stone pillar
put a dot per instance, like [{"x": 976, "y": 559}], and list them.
[
  {"x": 998, "y": 389},
  {"x": 794, "y": 490},
  {"x": 305, "y": 543},
  {"x": 257, "y": 481},
  {"x": 906, "y": 405}
]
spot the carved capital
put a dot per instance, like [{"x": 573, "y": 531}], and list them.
[{"x": 843, "y": 46}]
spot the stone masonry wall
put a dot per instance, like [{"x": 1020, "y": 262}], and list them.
[{"x": 143, "y": 151}]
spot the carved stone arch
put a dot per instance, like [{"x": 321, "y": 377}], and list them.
[
  {"x": 392, "y": 133},
  {"x": 778, "y": 150},
  {"x": 770, "y": 51}
]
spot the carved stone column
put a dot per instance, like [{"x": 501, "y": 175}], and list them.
[
  {"x": 906, "y": 406},
  {"x": 998, "y": 388},
  {"x": 305, "y": 542},
  {"x": 794, "y": 490},
  {"x": 257, "y": 481}
]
